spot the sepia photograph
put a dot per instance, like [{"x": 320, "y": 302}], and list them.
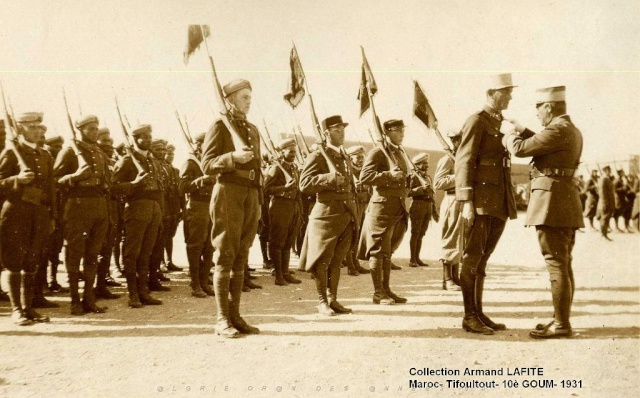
[{"x": 319, "y": 198}]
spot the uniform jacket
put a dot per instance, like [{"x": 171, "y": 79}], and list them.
[
  {"x": 96, "y": 185},
  {"x": 482, "y": 167},
  {"x": 606, "y": 203},
  {"x": 444, "y": 178},
  {"x": 191, "y": 184},
  {"x": 125, "y": 171},
  {"x": 554, "y": 200},
  {"x": 275, "y": 181},
  {"x": 218, "y": 146}
]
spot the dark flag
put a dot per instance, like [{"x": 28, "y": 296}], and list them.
[
  {"x": 421, "y": 107},
  {"x": 297, "y": 80},
  {"x": 197, "y": 34},
  {"x": 363, "y": 94}
]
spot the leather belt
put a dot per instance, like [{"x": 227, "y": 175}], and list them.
[
  {"x": 552, "y": 172},
  {"x": 500, "y": 162},
  {"x": 452, "y": 192},
  {"x": 248, "y": 174}
]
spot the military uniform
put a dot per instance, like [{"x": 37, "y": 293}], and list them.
[
  {"x": 25, "y": 219},
  {"x": 591, "y": 202},
  {"x": 483, "y": 176},
  {"x": 554, "y": 205},
  {"x": 198, "y": 189},
  {"x": 142, "y": 217},
  {"x": 285, "y": 216},
  {"x": 168, "y": 184},
  {"x": 86, "y": 215},
  {"x": 363, "y": 196},
  {"x": 333, "y": 222},
  {"x": 386, "y": 218},
  {"x": 421, "y": 210},
  {"x": 606, "y": 203},
  {"x": 176, "y": 205},
  {"x": 234, "y": 210}
]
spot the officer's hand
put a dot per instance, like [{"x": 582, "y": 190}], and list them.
[
  {"x": 340, "y": 179},
  {"x": 290, "y": 184},
  {"x": 82, "y": 173},
  {"x": 140, "y": 178},
  {"x": 242, "y": 156},
  {"x": 204, "y": 181},
  {"x": 518, "y": 127},
  {"x": 25, "y": 177},
  {"x": 397, "y": 175},
  {"x": 468, "y": 212}
]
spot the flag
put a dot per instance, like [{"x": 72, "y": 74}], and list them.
[
  {"x": 363, "y": 94},
  {"x": 297, "y": 80},
  {"x": 196, "y": 35},
  {"x": 421, "y": 107}
]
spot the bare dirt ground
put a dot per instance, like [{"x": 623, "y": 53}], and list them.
[{"x": 171, "y": 350}]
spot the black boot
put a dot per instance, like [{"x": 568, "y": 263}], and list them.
[
  {"x": 471, "y": 323},
  {"x": 132, "y": 287},
  {"x": 205, "y": 269},
  {"x": 235, "y": 293},
  {"x": 418, "y": 249},
  {"x": 379, "y": 295},
  {"x": 356, "y": 263},
  {"x": 15, "y": 286},
  {"x": 193, "y": 257},
  {"x": 102, "y": 292},
  {"x": 321, "y": 279},
  {"x": 483, "y": 318},
  {"x": 334, "y": 280},
  {"x": 561, "y": 326},
  {"x": 413, "y": 249},
  {"x": 447, "y": 279},
  {"x": 40, "y": 281},
  {"x": 143, "y": 290},
  {"x": 276, "y": 258},
  {"x": 247, "y": 279},
  {"x": 88, "y": 295},
  {"x": 74, "y": 281},
  {"x": 28, "y": 287},
  {"x": 286, "y": 274},
  {"x": 351, "y": 267},
  {"x": 386, "y": 278}
]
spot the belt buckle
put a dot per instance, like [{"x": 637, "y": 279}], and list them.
[{"x": 252, "y": 174}]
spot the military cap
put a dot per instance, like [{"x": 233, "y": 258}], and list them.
[
  {"x": 498, "y": 82},
  {"x": 171, "y": 148},
  {"x": 141, "y": 129},
  {"x": 103, "y": 133},
  {"x": 333, "y": 121},
  {"x": 286, "y": 143},
  {"x": 119, "y": 147},
  {"x": 30, "y": 117},
  {"x": 106, "y": 141},
  {"x": 235, "y": 85},
  {"x": 200, "y": 138},
  {"x": 606, "y": 168},
  {"x": 84, "y": 120},
  {"x": 356, "y": 150},
  {"x": 393, "y": 124},
  {"x": 159, "y": 143},
  {"x": 53, "y": 140},
  {"x": 550, "y": 94},
  {"x": 421, "y": 157},
  {"x": 454, "y": 133}
]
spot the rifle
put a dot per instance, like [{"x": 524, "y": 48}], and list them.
[
  {"x": 275, "y": 154},
  {"x": 128, "y": 142},
  {"x": 307, "y": 151},
  {"x": 13, "y": 134},
  {"x": 74, "y": 141},
  {"x": 189, "y": 141},
  {"x": 299, "y": 154}
]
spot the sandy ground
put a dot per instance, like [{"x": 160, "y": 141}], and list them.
[{"x": 171, "y": 350}]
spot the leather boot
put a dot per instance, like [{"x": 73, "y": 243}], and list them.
[
  {"x": 132, "y": 287},
  {"x": 88, "y": 295},
  {"x": 28, "y": 287},
  {"x": 223, "y": 327},
  {"x": 379, "y": 295},
  {"x": 205, "y": 269},
  {"x": 286, "y": 273},
  {"x": 351, "y": 268},
  {"x": 143, "y": 290},
  {"x": 74, "y": 281},
  {"x": 276, "y": 259},
  {"x": 334, "y": 280},
  {"x": 193, "y": 257},
  {"x": 321, "y": 279},
  {"x": 266, "y": 262},
  {"x": 235, "y": 293},
  {"x": 418, "y": 249},
  {"x": 356, "y": 263},
  {"x": 102, "y": 291},
  {"x": 15, "y": 286},
  {"x": 455, "y": 273},
  {"x": 413, "y": 249},
  {"x": 561, "y": 326},
  {"x": 447, "y": 279},
  {"x": 471, "y": 323},
  {"x": 247, "y": 279},
  {"x": 40, "y": 281},
  {"x": 483, "y": 318},
  {"x": 386, "y": 278}
]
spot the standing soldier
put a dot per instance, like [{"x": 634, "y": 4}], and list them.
[
  {"x": 554, "y": 207},
  {"x": 591, "y": 203},
  {"x": 386, "y": 219},
  {"x": 3, "y": 137},
  {"x": 452, "y": 228},
  {"x": 263, "y": 224},
  {"x": 422, "y": 209},
  {"x": 285, "y": 212},
  {"x": 606, "y": 203},
  {"x": 84, "y": 177},
  {"x": 333, "y": 220},
  {"x": 142, "y": 214},
  {"x": 363, "y": 195},
  {"x": 235, "y": 205},
  {"x": 621, "y": 187},
  {"x": 177, "y": 202},
  {"x": 28, "y": 189},
  {"x": 198, "y": 186},
  {"x": 483, "y": 185}
]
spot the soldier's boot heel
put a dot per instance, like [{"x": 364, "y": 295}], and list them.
[{"x": 474, "y": 325}]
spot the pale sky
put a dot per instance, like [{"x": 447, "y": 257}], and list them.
[{"x": 134, "y": 48}]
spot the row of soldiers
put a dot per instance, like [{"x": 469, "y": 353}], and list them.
[{"x": 606, "y": 197}]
